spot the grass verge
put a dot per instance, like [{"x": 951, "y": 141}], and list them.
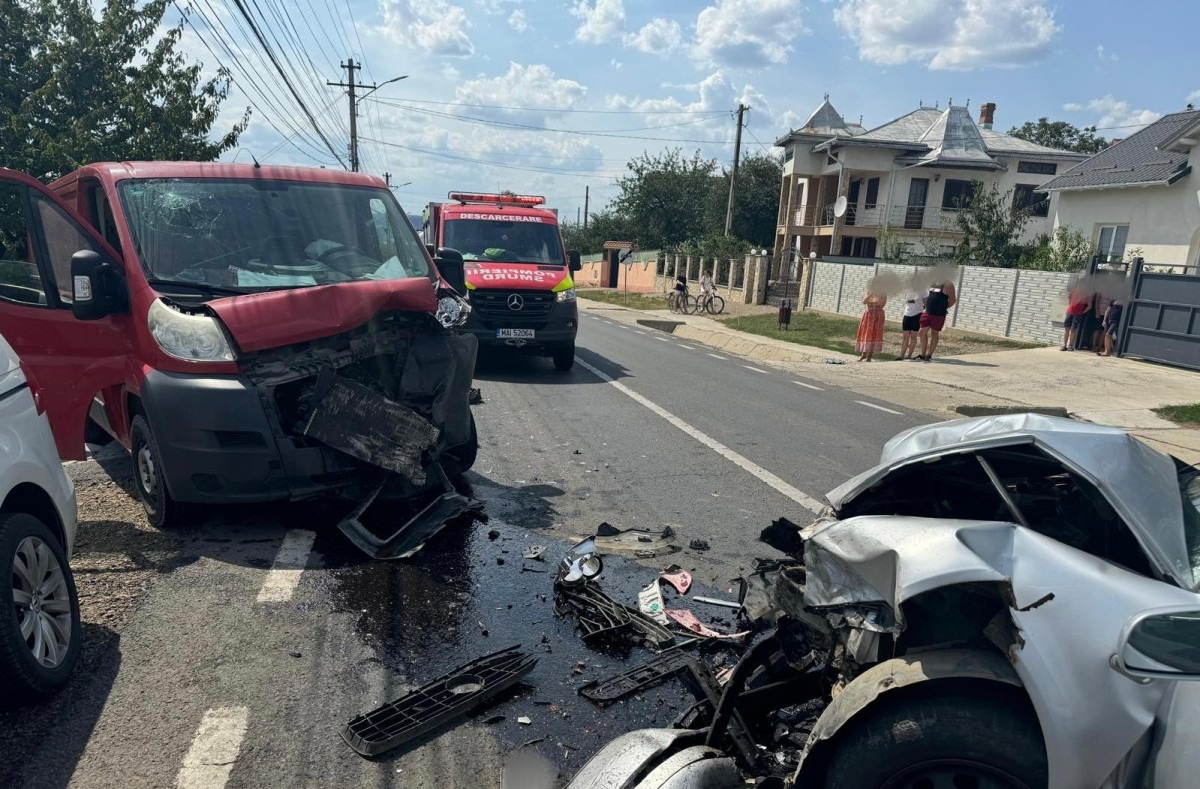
[
  {"x": 636, "y": 301},
  {"x": 836, "y": 333},
  {"x": 1188, "y": 415}
]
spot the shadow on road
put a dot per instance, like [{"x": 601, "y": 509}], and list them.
[
  {"x": 503, "y": 366},
  {"x": 40, "y": 745}
]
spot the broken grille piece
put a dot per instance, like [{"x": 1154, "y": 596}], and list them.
[
  {"x": 647, "y": 675},
  {"x": 447, "y": 697},
  {"x": 600, "y": 615}
]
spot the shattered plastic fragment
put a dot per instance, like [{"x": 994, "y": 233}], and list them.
[
  {"x": 678, "y": 578},
  {"x": 534, "y": 552},
  {"x": 639, "y": 543},
  {"x": 524, "y": 720},
  {"x": 689, "y": 621},
  {"x": 650, "y": 601}
]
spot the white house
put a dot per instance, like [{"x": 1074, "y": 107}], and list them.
[
  {"x": 1141, "y": 196},
  {"x": 910, "y": 175}
]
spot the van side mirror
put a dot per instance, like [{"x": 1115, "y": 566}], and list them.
[
  {"x": 1163, "y": 645},
  {"x": 449, "y": 264},
  {"x": 573, "y": 257},
  {"x": 97, "y": 289}
]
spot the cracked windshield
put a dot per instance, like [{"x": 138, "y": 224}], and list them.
[{"x": 527, "y": 394}]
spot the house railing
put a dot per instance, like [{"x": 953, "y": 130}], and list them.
[{"x": 923, "y": 217}]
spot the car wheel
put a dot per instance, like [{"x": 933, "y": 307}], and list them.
[
  {"x": 162, "y": 511},
  {"x": 40, "y": 633},
  {"x": 564, "y": 357},
  {"x": 941, "y": 742},
  {"x": 461, "y": 458}
]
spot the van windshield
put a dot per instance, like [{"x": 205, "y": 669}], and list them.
[
  {"x": 504, "y": 240},
  {"x": 253, "y": 236}
]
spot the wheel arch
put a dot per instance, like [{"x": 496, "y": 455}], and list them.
[
  {"x": 32, "y": 500},
  {"x": 974, "y": 672}
]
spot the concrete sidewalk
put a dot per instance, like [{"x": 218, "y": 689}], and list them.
[{"x": 1110, "y": 391}]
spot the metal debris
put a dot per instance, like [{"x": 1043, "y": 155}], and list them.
[
  {"x": 534, "y": 552},
  {"x": 715, "y": 601}
]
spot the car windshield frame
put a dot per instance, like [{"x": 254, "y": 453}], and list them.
[
  {"x": 242, "y": 235},
  {"x": 494, "y": 231}
]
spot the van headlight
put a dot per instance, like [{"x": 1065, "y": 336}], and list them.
[
  {"x": 188, "y": 336},
  {"x": 566, "y": 295}
]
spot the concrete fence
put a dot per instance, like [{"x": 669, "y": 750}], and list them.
[
  {"x": 737, "y": 280},
  {"x": 1016, "y": 303}
]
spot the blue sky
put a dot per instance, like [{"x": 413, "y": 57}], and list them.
[{"x": 610, "y": 79}]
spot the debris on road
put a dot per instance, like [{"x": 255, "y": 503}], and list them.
[
  {"x": 524, "y": 721},
  {"x": 447, "y": 697},
  {"x": 699, "y": 545},
  {"x": 715, "y": 601},
  {"x": 602, "y": 618},
  {"x": 474, "y": 396},
  {"x": 639, "y": 678},
  {"x": 650, "y": 602},
  {"x": 679, "y": 578},
  {"x": 688, "y": 620},
  {"x": 638, "y": 543},
  {"x": 783, "y": 536},
  {"x": 534, "y": 552}
]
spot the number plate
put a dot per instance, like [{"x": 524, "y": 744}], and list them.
[{"x": 514, "y": 334}]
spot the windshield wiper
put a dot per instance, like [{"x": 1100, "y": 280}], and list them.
[{"x": 203, "y": 287}]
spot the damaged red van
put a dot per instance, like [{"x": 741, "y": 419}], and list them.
[{"x": 248, "y": 333}]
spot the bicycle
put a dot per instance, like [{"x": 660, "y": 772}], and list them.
[
  {"x": 710, "y": 303},
  {"x": 683, "y": 303}
]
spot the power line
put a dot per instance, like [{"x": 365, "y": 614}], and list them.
[
  {"x": 561, "y": 109},
  {"x": 548, "y": 171}
]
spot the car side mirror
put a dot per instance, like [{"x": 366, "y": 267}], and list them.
[
  {"x": 431, "y": 250},
  {"x": 574, "y": 258},
  {"x": 1160, "y": 645},
  {"x": 97, "y": 289},
  {"x": 450, "y": 265}
]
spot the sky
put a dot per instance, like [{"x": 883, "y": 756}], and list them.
[{"x": 550, "y": 98}]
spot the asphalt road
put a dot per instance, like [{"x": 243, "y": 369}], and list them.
[{"x": 243, "y": 644}]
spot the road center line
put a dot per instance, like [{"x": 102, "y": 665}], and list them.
[
  {"x": 621, "y": 326},
  {"x": 803, "y": 499},
  {"x": 879, "y": 407},
  {"x": 664, "y": 339},
  {"x": 284, "y": 575},
  {"x": 713, "y": 355},
  {"x": 808, "y": 386},
  {"x": 755, "y": 369},
  {"x": 639, "y": 331},
  {"x": 681, "y": 345},
  {"x": 209, "y": 760}
]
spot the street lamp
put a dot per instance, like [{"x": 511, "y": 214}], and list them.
[
  {"x": 381, "y": 84},
  {"x": 354, "y": 102}
]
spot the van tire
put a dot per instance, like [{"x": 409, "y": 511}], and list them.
[
  {"x": 906, "y": 742},
  {"x": 461, "y": 458},
  {"x": 22, "y": 678},
  {"x": 564, "y": 357},
  {"x": 162, "y": 511}
]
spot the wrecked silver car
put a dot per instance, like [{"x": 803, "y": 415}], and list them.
[{"x": 1001, "y": 602}]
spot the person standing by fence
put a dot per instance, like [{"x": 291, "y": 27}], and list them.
[
  {"x": 869, "y": 340},
  {"x": 938, "y": 301},
  {"x": 914, "y": 305}
]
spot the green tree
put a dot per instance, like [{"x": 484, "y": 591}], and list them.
[
  {"x": 603, "y": 226},
  {"x": 664, "y": 198},
  {"x": 892, "y": 249},
  {"x": 756, "y": 209},
  {"x": 77, "y": 87},
  {"x": 1065, "y": 250},
  {"x": 990, "y": 226},
  {"x": 1061, "y": 135}
]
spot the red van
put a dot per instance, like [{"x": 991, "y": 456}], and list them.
[{"x": 248, "y": 333}]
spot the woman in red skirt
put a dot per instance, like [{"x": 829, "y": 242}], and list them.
[{"x": 869, "y": 340}]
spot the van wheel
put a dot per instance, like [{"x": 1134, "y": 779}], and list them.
[
  {"x": 461, "y": 458},
  {"x": 942, "y": 741},
  {"x": 39, "y": 611},
  {"x": 162, "y": 511},
  {"x": 564, "y": 357}
]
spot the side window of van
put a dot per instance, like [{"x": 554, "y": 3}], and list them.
[
  {"x": 383, "y": 230},
  {"x": 20, "y": 280},
  {"x": 63, "y": 239}
]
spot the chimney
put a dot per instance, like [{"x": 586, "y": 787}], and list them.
[{"x": 986, "y": 114}]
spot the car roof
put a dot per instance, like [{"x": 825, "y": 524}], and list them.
[{"x": 120, "y": 171}]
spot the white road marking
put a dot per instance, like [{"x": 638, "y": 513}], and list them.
[
  {"x": 639, "y": 331},
  {"x": 808, "y": 386},
  {"x": 284, "y": 575},
  {"x": 803, "y": 499},
  {"x": 713, "y": 355},
  {"x": 626, "y": 328},
  {"x": 690, "y": 348},
  {"x": 664, "y": 339},
  {"x": 209, "y": 760},
  {"x": 879, "y": 407},
  {"x": 755, "y": 369}
]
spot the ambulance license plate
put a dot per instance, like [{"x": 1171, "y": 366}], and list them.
[{"x": 514, "y": 334}]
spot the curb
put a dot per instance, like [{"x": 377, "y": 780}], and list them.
[{"x": 1001, "y": 410}]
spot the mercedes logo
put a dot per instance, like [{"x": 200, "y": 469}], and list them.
[{"x": 515, "y": 302}]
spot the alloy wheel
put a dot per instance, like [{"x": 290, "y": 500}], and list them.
[{"x": 43, "y": 601}]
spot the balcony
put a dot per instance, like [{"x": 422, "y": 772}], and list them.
[
  {"x": 868, "y": 216},
  {"x": 916, "y": 217}
]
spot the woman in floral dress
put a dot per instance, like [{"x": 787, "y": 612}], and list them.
[{"x": 869, "y": 340}]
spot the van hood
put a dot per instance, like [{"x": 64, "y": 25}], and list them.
[
  {"x": 259, "y": 321},
  {"x": 530, "y": 276}
]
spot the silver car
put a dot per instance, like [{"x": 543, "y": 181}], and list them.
[{"x": 1002, "y": 602}]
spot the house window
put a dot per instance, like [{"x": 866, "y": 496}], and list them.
[
  {"x": 872, "y": 192},
  {"x": 958, "y": 194},
  {"x": 1112, "y": 242},
  {"x": 788, "y": 154},
  {"x": 1037, "y": 168},
  {"x": 1027, "y": 198}
]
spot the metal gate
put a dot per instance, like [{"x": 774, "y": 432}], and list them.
[{"x": 1162, "y": 320}]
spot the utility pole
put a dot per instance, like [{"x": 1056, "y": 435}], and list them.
[
  {"x": 586, "y": 196},
  {"x": 351, "y": 88},
  {"x": 387, "y": 179},
  {"x": 737, "y": 156}
]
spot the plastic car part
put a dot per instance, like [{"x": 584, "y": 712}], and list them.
[
  {"x": 679, "y": 578},
  {"x": 647, "y": 675},
  {"x": 442, "y": 700},
  {"x": 600, "y": 615},
  {"x": 702, "y": 677},
  {"x": 650, "y": 603},
  {"x": 639, "y": 543},
  {"x": 689, "y": 620}
]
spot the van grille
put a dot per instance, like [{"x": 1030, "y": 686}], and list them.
[{"x": 492, "y": 307}]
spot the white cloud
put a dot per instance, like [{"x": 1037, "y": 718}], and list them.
[
  {"x": 450, "y": 72},
  {"x": 517, "y": 21},
  {"x": 616, "y": 64},
  {"x": 1193, "y": 97},
  {"x": 747, "y": 33},
  {"x": 498, "y": 7},
  {"x": 432, "y": 26},
  {"x": 599, "y": 21},
  {"x": 1116, "y": 115},
  {"x": 658, "y": 37},
  {"x": 522, "y": 86},
  {"x": 1104, "y": 56},
  {"x": 949, "y": 34}
]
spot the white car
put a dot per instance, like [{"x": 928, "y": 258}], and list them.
[
  {"x": 39, "y": 619},
  {"x": 1002, "y": 603}
]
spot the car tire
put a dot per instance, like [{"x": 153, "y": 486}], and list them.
[
  {"x": 564, "y": 357},
  {"x": 951, "y": 740},
  {"x": 24, "y": 675},
  {"x": 461, "y": 458},
  {"x": 162, "y": 511}
]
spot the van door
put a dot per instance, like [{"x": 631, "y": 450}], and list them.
[{"x": 70, "y": 361}]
